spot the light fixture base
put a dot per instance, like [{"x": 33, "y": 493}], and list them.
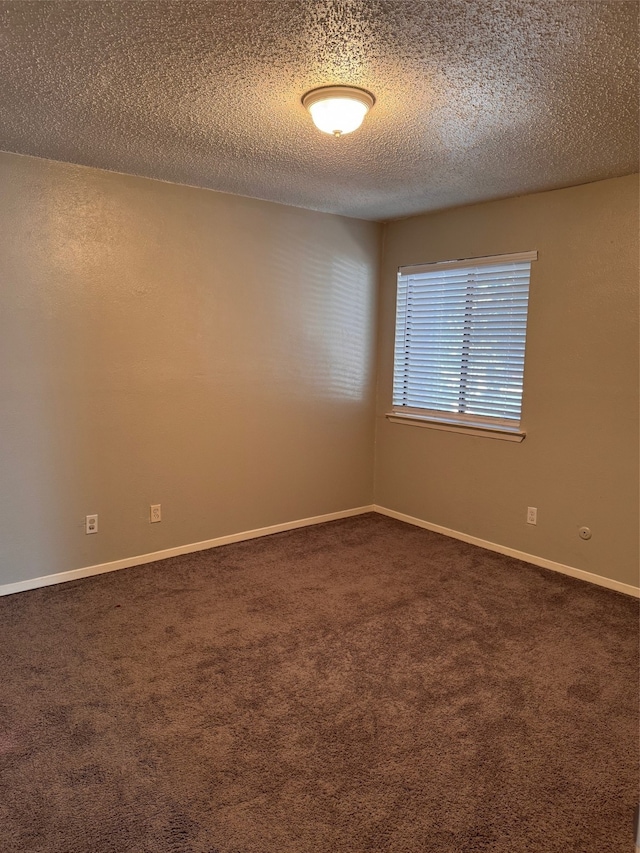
[{"x": 324, "y": 93}]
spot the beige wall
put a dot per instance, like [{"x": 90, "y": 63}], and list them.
[
  {"x": 579, "y": 461},
  {"x": 163, "y": 344}
]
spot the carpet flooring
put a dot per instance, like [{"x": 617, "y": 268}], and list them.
[{"x": 362, "y": 685}]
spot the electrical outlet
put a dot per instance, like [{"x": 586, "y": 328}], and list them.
[
  {"x": 91, "y": 524},
  {"x": 532, "y": 515},
  {"x": 155, "y": 513}
]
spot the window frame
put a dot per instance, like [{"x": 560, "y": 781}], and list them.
[{"x": 462, "y": 422}]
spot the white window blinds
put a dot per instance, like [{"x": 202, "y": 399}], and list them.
[{"x": 460, "y": 338}]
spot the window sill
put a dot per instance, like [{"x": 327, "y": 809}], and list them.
[{"x": 500, "y": 432}]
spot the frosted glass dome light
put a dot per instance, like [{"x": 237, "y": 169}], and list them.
[{"x": 338, "y": 109}]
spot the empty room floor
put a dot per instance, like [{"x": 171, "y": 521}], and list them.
[{"x": 361, "y": 685}]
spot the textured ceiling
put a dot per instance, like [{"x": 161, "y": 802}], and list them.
[{"x": 476, "y": 99}]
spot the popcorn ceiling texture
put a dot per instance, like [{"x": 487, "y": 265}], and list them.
[{"x": 475, "y": 100}]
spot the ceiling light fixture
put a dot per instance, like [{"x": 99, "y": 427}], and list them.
[{"x": 338, "y": 109}]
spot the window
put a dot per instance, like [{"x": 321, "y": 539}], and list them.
[{"x": 460, "y": 343}]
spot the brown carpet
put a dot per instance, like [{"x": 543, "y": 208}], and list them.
[{"x": 358, "y": 686}]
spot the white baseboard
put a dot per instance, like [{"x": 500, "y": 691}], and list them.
[
  {"x": 128, "y": 562},
  {"x": 512, "y": 552}
]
